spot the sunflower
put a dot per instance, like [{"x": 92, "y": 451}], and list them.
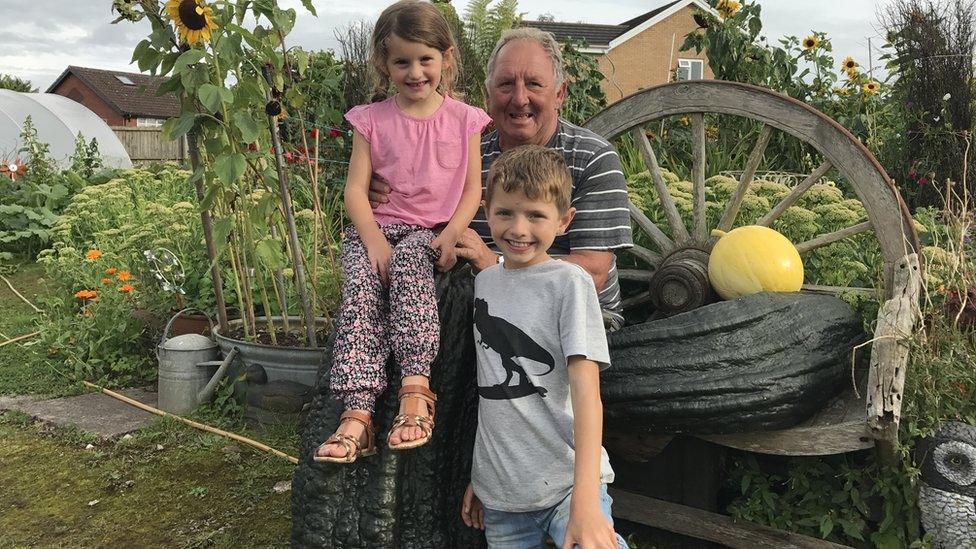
[
  {"x": 849, "y": 65},
  {"x": 871, "y": 87},
  {"x": 193, "y": 19},
  {"x": 727, "y": 7},
  {"x": 811, "y": 42}
]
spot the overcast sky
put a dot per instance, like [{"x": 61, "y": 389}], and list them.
[{"x": 42, "y": 37}]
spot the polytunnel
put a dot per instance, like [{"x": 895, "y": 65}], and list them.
[{"x": 58, "y": 121}]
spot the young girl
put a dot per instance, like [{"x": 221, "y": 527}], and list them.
[{"x": 426, "y": 145}]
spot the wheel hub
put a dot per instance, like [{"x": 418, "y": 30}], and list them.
[{"x": 681, "y": 283}]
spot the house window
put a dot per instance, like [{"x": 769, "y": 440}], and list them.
[
  {"x": 125, "y": 80},
  {"x": 690, "y": 69},
  {"x": 149, "y": 122}
]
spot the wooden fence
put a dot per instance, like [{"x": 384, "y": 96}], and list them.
[{"x": 146, "y": 145}]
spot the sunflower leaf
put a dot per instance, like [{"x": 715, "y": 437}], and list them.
[
  {"x": 175, "y": 128},
  {"x": 308, "y": 5},
  {"x": 186, "y": 59},
  {"x": 212, "y": 96},
  {"x": 248, "y": 127},
  {"x": 230, "y": 167}
]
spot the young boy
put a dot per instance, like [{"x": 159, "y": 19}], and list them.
[{"x": 539, "y": 469}]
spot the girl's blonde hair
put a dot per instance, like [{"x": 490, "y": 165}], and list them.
[{"x": 413, "y": 21}]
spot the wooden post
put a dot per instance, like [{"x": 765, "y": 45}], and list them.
[{"x": 889, "y": 355}]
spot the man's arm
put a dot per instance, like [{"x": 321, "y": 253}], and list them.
[
  {"x": 596, "y": 263},
  {"x": 587, "y": 525}
]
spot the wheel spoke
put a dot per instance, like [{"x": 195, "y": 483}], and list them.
[
  {"x": 635, "y": 300},
  {"x": 667, "y": 203},
  {"x": 647, "y": 255},
  {"x": 698, "y": 176},
  {"x": 839, "y": 290},
  {"x": 635, "y": 275},
  {"x": 732, "y": 210},
  {"x": 830, "y": 238},
  {"x": 795, "y": 194},
  {"x": 660, "y": 239}
]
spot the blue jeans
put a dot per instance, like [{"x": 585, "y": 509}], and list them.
[{"x": 530, "y": 529}]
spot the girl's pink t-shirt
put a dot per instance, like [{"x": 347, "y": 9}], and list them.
[{"x": 425, "y": 160}]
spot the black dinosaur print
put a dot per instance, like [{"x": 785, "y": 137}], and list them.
[{"x": 510, "y": 343}]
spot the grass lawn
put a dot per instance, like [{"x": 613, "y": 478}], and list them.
[
  {"x": 166, "y": 486},
  {"x": 23, "y": 367}
]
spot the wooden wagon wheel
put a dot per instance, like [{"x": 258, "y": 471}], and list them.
[{"x": 677, "y": 268}]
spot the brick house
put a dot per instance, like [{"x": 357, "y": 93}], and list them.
[
  {"x": 119, "y": 98},
  {"x": 643, "y": 51},
  {"x": 127, "y": 102}
]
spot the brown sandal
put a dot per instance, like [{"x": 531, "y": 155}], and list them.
[
  {"x": 413, "y": 418},
  {"x": 352, "y": 445}
]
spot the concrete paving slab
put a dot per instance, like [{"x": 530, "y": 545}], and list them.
[
  {"x": 12, "y": 402},
  {"x": 95, "y": 413}
]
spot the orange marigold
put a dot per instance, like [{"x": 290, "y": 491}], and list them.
[
  {"x": 124, "y": 275},
  {"x": 111, "y": 270},
  {"x": 126, "y": 288},
  {"x": 85, "y": 294},
  {"x": 106, "y": 281},
  {"x": 92, "y": 255}
]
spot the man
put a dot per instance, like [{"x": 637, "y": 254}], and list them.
[{"x": 526, "y": 87}]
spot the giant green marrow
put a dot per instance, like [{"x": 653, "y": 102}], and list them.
[{"x": 761, "y": 362}]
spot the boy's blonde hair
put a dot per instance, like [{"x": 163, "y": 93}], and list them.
[
  {"x": 537, "y": 172},
  {"x": 413, "y": 21}
]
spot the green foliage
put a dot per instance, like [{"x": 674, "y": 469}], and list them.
[
  {"x": 849, "y": 499},
  {"x": 85, "y": 160},
  {"x": 135, "y": 210},
  {"x": 31, "y": 198},
  {"x": 11, "y": 82},
  {"x": 584, "y": 94},
  {"x": 233, "y": 91}
]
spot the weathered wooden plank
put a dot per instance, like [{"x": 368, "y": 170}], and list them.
[
  {"x": 838, "y": 428},
  {"x": 732, "y": 208},
  {"x": 830, "y": 238},
  {"x": 889, "y": 354},
  {"x": 840, "y": 290},
  {"x": 667, "y": 203},
  {"x": 660, "y": 239},
  {"x": 795, "y": 194},
  {"x": 700, "y": 225},
  {"x": 707, "y": 525}
]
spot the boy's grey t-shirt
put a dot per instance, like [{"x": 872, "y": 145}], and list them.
[{"x": 528, "y": 321}]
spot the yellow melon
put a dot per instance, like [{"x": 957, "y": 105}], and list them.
[{"x": 753, "y": 259}]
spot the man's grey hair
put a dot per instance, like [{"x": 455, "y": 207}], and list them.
[{"x": 543, "y": 38}]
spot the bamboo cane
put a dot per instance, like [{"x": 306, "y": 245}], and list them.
[
  {"x": 205, "y": 220},
  {"x": 14, "y": 290},
  {"x": 18, "y": 338},
  {"x": 290, "y": 223},
  {"x": 194, "y": 424}
]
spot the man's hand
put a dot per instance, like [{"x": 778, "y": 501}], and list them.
[
  {"x": 589, "y": 529},
  {"x": 471, "y": 247},
  {"x": 379, "y": 191},
  {"x": 472, "y": 512},
  {"x": 380, "y": 252},
  {"x": 444, "y": 243}
]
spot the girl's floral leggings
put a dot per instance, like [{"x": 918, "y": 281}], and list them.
[{"x": 373, "y": 319}]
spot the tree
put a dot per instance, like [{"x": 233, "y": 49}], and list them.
[
  {"x": 934, "y": 42},
  {"x": 10, "y": 82}
]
